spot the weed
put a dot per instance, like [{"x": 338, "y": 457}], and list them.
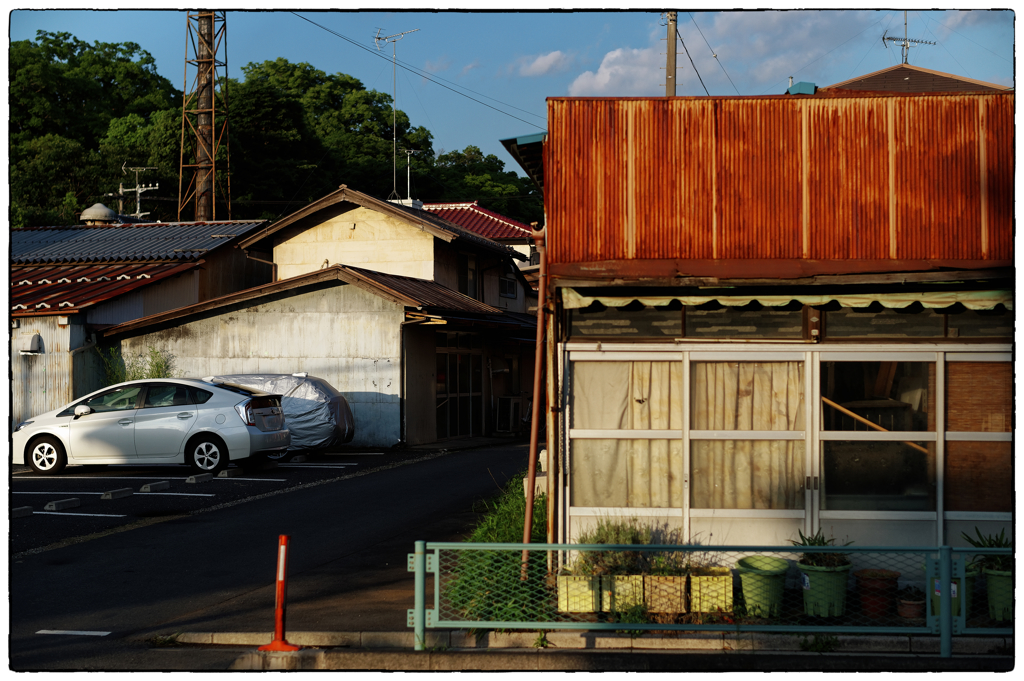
[
  {"x": 542, "y": 640},
  {"x": 634, "y": 614},
  {"x": 821, "y": 643},
  {"x": 164, "y": 641}
]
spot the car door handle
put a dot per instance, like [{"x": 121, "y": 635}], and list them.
[
  {"x": 185, "y": 415},
  {"x": 125, "y": 422}
]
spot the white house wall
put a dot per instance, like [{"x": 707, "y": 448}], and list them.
[
  {"x": 342, "y": 334},
  {"x": 359, "y": 237}
]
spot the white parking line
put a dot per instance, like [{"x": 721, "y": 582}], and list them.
[
  {"x": 313, "y": 465},
  {"x": 91, "y": 515},
  {"x": 166, "y": 494},
  {"x": 111, "y": 477},
  {"x": 72, "y": 632},
  {"x": 254, "y": 479}
]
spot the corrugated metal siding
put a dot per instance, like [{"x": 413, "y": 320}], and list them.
[
  {"x": 40, "y": 383},
  {"x": 838, "y": 177}
]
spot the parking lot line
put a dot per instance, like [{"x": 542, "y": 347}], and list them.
[
  {"x": 253, "y": 479},
  {"x": 72, "y": 632},
  {"x": 92, "y": 515},
  {"x": 313, "y": 465}
]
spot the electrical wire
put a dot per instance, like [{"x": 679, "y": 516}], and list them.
[
  {"x": 419, "y": 72},
  {"x": 926, "y": 27},
  {"x": 857, "y": 67},
  {"x": 968, "y": 39},
  {"x": 713, "y": 53},
  {"x": 692, "y": 64},
  {"x": 824, "y": 55}
]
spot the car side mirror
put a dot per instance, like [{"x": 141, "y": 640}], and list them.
[{"x": 82, "y": 410}]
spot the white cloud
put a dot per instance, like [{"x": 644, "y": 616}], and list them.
[
  {"x": 469, "y": 67},
  {"x": 440, "y": 64},
  {"x": 623, "y": 72},
  {"x": 552, "y": 62}
]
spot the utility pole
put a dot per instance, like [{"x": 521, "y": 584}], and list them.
[
  {"x": 670, "y": 66},
  {"x": 394, "y": 99},
  {"x": 906, "y": 42}
]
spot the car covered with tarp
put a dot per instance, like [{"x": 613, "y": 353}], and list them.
[{"x": 317, "y": 415}]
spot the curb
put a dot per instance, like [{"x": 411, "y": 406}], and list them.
[{"x": 567, "y": 640}]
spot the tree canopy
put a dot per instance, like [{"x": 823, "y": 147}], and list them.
[{"x": 81, "y": 112}]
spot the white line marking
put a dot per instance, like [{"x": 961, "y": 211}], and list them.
[
  {"x": 86, "y": 477},
  {"x": 310, "y": 465},
  {"x": 91, "y": 515},
  {"x": 72, "y": 632},
  {"x": 166, "y": 494},
  {"x": 255, "y": 479}
]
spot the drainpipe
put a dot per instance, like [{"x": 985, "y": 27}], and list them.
[
  {"x": 538, "y": 366},
  {"x": 91, "y": 343},
  {"x": 266, "y": 262}
]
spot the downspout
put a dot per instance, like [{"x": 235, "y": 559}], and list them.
[
  {"x": 538, "y": 366},
  {"x": 266, "y": 262},
  {"x": 88, "y": 344}
]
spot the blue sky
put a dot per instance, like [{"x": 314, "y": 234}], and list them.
[{"x": 510, "y": 62}]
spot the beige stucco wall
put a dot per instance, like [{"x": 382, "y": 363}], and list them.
[{"x": 378, "y": 242}]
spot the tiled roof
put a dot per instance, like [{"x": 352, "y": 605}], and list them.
[
  {"x": 65, "y": 289},
  {"x": 477, "y": 219},
  {"x": 423, "y": 292},
  {"x": 163, "y": 241}
]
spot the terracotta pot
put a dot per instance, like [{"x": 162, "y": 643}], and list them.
[
  {"x": 910, "y": 609},
  {"x": 877, "y": 590}
]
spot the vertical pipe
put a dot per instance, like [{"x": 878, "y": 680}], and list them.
[
  {"x": 945, "y": 602},
  {"x": 279, "y": 643},
  {"x": 420, "y": 605},
  {"x": 538, "y": 365}
]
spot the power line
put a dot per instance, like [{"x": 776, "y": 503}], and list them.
[
  {"x": 966, "y": 38},
  {"x": 944, "y": 47},
  {"x": 870, "y": 45},
  {"x": 712, "y": 53},
  {"x": 421, "y": 73},
  {"x": 692, "y": 64}
]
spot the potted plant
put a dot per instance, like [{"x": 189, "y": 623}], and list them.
[
  {"x": 910, "y": 602},
  {"x": 762, "y": 579},
  {"x": 615, "y": 577},
  {"x": 823, "y": 576},
  {"x": 665, "y": 587},
  {"x": 998, "y": 569},
  {"x": 877, "y": 591}
]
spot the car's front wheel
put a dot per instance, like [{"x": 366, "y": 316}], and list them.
[
  {"x": 207, "y": 455},
  {"x": 47, "y": 456}
]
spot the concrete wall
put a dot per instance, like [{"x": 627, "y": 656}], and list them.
[
  {"x": 342, "y": 334},
  {"x": 378, "y": 242}
]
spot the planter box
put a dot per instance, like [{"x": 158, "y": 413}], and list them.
[
  {"x": 579, "y": 594},
  {"x": 665, "y": 593},
  {"x": 621, "y": 592},
  {"x": 711, "y": 593}
]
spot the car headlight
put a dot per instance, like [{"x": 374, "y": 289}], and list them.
[{"x": 22, "y": 425}]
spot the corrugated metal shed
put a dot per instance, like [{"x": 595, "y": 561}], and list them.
[
  {"x": 107, "y": 243},
  {"x": 478, "y": 219},
  {"x": 827, "y": 180},
  {"x": 66, "y": 289}
]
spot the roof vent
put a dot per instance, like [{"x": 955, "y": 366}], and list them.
[
  {"x": 408, "y": 203},
  {"x": 98, "y": 214},
  {"x": 802, "y": 89}
]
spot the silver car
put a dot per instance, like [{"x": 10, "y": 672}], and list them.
[{"x": 200, "y": 423}]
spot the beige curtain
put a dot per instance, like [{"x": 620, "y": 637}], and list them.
[
  {"x": 747, "y": 473},
  {"x": 640, "y": 473}
]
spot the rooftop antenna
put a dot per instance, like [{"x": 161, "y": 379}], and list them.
[
  {"x": 394, "y": 97},
  {"x": 408, "y": 165},
  {"x": 138, "y": 189},
  {"x": 905, "y": 42}
]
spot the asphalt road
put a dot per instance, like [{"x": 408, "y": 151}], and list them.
[{"x": 212, "y": 568}]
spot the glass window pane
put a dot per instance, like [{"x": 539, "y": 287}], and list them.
[
  {"x": 981, "y": 324},
  {"x": 878, "y": 476},
  {"x": 627, "y": 395},
  {"x": 464, "y": 375},
  {"x": 442, "y": 417},
  {"x": 747, "y": 396},
  {"x": 979, "y": 476},
  {"x": 979, "y": 397},
  {"x": 880, "y": 322},
  {"x": 747, "y": 474},
  {"x": 115, "y": 400},
  {"x": 626, "y": 473},
  {"x": 891, "y": 396},
  {"x": 477, "y": 384},
  {"x": 649, "y": 322},
  {"x": 442, "y": 374},
  {"x": 166, "y": 395},
  {"x": 737, "y": 322},
  {"x": 465, "y": 417}
]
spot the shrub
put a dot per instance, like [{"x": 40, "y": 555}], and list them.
[{"x": 118, "y": 368}]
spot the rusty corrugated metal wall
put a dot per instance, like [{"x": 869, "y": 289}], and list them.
[
  {"x": 42, "y": 382},
  {"x": 833, "y": 177}
]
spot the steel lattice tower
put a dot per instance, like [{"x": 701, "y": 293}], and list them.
[{"x": 204, "y": 179}]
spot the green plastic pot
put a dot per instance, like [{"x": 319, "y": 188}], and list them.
[
  {"x": 1000, "y": 594},
  {"x": 824, "y": 589},
  {"x": 762, "y": 579}
]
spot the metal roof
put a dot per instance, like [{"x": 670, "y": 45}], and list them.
[
  {"x": 911, "y": 78},
  {"x": 66, "y": 289},
  {"x": 421, "y": 294},
  {"x": 161, "y": 241},
  {"x": 478, "y": 219},
  {"x": 528, "y": 151}
]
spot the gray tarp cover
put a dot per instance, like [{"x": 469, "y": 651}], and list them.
[{"x": 317, "y": 415}]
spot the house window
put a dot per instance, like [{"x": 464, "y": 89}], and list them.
[
  {"x": 466, "y": 266},
  {"x": 507, "y": 288},
  {"x": 631, "y": 321},
  {"x": 750, "y": 321}
]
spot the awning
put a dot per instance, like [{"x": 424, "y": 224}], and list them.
[{"x": 972, "y": 300}]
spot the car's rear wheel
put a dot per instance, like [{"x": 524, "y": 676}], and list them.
[
  {"x": 47, "y": 456},
  {"x": 207, "y": 455}
]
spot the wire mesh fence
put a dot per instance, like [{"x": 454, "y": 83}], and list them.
[{"x": 681, "y": 587}]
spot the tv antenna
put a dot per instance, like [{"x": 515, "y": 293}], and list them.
[
  {"x": 408, "y": 165},
  {"x": 377, "y": 39},
  {"x": 905, "y": 42},
  {"x": 138, "y": 189}
]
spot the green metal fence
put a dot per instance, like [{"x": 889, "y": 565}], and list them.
[{"x": 878, "y": 589}]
